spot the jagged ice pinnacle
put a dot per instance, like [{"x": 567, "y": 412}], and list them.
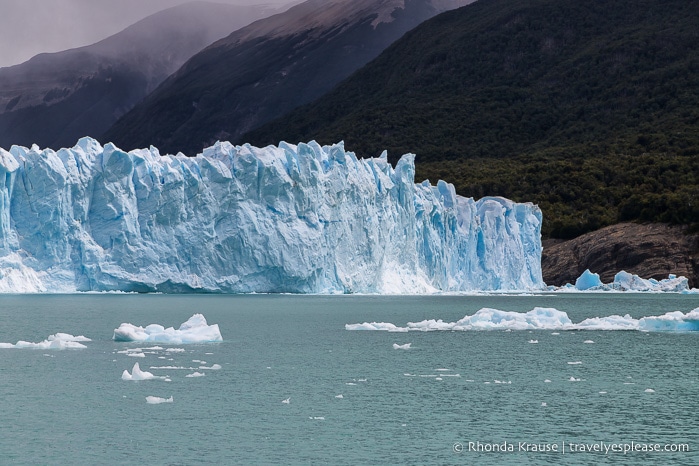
[{"x": 302, "y": 219}]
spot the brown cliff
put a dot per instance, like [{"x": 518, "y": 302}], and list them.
[{"x": 648, "y": 250}]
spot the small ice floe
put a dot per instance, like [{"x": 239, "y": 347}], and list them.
[
  {"x": 555, "y": 333},
  {"x": 574, "y": 363},
  {"x": 629, "y": 383},
  {"x": 175, "y": 350},
  {"x": 408, "y": 374},
  {"x": 509, "y": 382},
  {"x": 156, "y": 400},
  {"x": 350, "y": 383},
  {"x": 649, "y": 390},
  {"x": 199, "y": 361},
  {"x": 602, "y": 393},
  {"x": 438, "y": 378},
  {"x": 213, "y": 367},
  {"x": 136, "y": 355},
  {"x": 195, "y": 374},
  {"x": 317, "y": 418},
  {"x": 339, "y": 397},
  {"x": 543, "y": 403},
  {"x": 441, "y": 369},
  {"x": 58, "y": 341},
  {"x": 175, "y": 368},
  {"x": 573, "y": 379},
  {"x": 589, "y": 342},
  {"x": 547, "y": 381},
  {"x": 138, "y": 374},
  {"x": 406, "y": 346},
  {"x": 287, "y": 401},
  {"x": 533, "y": 341}
]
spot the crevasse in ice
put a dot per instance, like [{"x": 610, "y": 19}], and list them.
[{"x": 302, "y": 219}]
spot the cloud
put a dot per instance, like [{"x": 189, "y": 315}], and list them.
[{"x": 31, "y": 27}]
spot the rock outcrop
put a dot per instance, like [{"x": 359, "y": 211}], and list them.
[{"x": 649, "y": 250}]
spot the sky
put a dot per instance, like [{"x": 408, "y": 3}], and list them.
[{"x": 30, "y": 27}]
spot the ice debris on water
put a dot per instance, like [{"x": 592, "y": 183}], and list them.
[
  {"x": 299, "y": 218},
  {"x": 405, "y": 346}
]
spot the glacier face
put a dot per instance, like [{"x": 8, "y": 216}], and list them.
[{"x": 300, "y": 219}]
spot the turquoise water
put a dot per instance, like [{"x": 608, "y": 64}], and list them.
[{"x": 71, "y": 406}]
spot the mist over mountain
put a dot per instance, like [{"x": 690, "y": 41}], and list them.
[
  {"x": 54, "y": 99},
  {"x": 266, "y": 69}
]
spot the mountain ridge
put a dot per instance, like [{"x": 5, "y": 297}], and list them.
[
  {"x": 265, "y": 70},
  {"x": 589, "y": 109},
  {"x": 53, "y": 99}
]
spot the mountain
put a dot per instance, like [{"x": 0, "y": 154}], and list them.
[
  {"x": 54, "y": 99},
  {"x": 266, "y": 69},
  {"x": 588, "y": 108}
]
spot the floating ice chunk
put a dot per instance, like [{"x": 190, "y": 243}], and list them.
[
  {"x": 350, "y": 383},
  {"x": 543, "y": 403},
  {"x": 195, "y": 374},
  {"x": 547, "y": 381},
  {"x": 406, "y": 346},
  {"x": 58, "y": 341},
  {"x": 602, "y": 393},
  {"x": 339, "y": 397},
  {"x": 138, "y": 374},
  {"x": 194, "y": 330},
  {"x": 671, "y": 322},
  {"x": 438, "y": 378},
  {"x": 213, "y": 367},
  {"x": 649, "y": 390},
  {"x": 442, "y": 369},
  {"x": 573, "y": 379},
  {"x": 136, "y": 355},
  {"x": 286, "y": 401},
  {"x": 375, "y": 326},
  {"x": 156, "y": 400},
  {"x": 625, "y": 281},
  {"x": 589, "y": 342},
  {"x": 573, "y": 363},
  {"x": 555, "y": 333},
  {"x": 587, "y": 280},
  {"x": 317, "y": 418},
  {"x": 533, "y": 341}
]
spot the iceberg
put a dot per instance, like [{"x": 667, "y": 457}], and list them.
[
  {"x": 544, "y": 319},
  {"x": 194, "y": 330},
  {"x": 624, "y": 281},
  {"x": 239, "y": 219}
]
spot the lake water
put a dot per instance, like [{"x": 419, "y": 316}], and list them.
[{"x": 450, "y": 393}]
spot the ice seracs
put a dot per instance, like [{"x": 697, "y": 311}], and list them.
[{"x": 294, "y": 218}]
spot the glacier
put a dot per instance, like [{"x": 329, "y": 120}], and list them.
[{"x": 299, "y": 218}]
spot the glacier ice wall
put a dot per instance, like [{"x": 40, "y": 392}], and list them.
[{"x": 302, "y": 219}]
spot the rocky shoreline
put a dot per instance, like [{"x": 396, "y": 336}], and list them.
[{"x": 652, "y": 250}]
